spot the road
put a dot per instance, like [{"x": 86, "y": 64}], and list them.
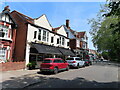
[{"x": 100, "y": 75}]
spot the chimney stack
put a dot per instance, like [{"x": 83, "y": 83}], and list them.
[
  {"x": 67, "y": 23},
  {"x": 6, "y": 9}
]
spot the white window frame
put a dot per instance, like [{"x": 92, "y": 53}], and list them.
[
  {"x": 3, "y": 53},
  {"x": 44, "y": 38}
]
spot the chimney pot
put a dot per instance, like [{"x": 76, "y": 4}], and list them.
[{"x": 67, "y": 23}]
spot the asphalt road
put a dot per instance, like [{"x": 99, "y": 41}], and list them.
[{"x": 99, "y": 75}]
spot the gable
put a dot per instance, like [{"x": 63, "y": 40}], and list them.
[
  {"x": 62, "y": 31},
  {"x": 43, "y": 22},
  {"x": 6, "y": 18},
  {"x": 70, "y": 34}
]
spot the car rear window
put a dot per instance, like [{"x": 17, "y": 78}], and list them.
[
  {"x": 70, "y": 59},
  {"x": 77, "y": 58},
  {"x": 47, "y": 61}
]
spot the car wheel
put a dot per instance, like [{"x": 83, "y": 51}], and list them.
[
  {"x": 78, "y": 66},
  {"x": 84, "y": 65},
  {"x": 55, "y": 70},
  {"x": 67, "y": 69}
]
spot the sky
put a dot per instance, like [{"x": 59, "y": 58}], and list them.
[{"x": 57, "y": 12}]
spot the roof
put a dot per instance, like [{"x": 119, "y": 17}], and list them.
[
  {"x": 24, "y": 17},
  {"x": 8, "y": 13},
  {"x": 46, "y": 18},
  {"x": 81, "y": 34},
  {"x": 55, "y": 29}
]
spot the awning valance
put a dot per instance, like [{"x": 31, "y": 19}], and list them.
[
  {"x": 66, "y": 52},
  {"x": 46, "y": 49}
]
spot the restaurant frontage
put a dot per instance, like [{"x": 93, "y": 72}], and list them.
[{"x": 40, "y": 51}]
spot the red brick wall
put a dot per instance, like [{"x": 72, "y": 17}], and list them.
[
  {"x": 73, "y": 43},
  {"x": 8, "y": 66},
  {"x": 21, "y": 36}
]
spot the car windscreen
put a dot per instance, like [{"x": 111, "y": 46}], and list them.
[
  {"x": 47, "y": 61},
  {"x": 70, "y": 59}
]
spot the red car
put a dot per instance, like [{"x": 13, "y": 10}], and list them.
[{"x": 53, "y": 65}]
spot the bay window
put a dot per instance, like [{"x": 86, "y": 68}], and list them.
[{"x": 3, "y": 53}]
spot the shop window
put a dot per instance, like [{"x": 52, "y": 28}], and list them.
[
  {"x": 40, "y": 58},
  {"x": 3, "y": 53}
]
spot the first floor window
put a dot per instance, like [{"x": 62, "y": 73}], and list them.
[
  {"x": 39, "y": 35},
  {"x": 35, "y": 34},
  {"x": 47, "y": 36},
  {"x": 3, "y": 53},
  {"x": 52, "y": 39},
  {"x": 57, "y": 40},
  {"x": 44, "y": 36},
  {"x": 60, "y": 40},
  {"x": 63, "y": 41},
  {"x": 67, "y": 43}
]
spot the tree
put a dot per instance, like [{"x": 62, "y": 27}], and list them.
[{"x": 105, "y": 30}]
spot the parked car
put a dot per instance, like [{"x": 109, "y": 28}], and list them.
[
  {"x": 53, "y": 65},
  {"x": 75, "y": 62},
  {"x": 88, "y": 62}
]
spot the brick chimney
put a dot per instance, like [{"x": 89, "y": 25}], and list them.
[
  {"x": 67, "y": 24},
  {"x": 6, "y": 8}
]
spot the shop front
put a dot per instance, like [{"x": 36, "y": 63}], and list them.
[{"x": 40, "y": 51}]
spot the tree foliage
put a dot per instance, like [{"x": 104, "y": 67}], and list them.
[{"x": 105, "y": 30}]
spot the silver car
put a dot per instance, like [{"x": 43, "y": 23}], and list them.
[{"x": 75, "y": 62}]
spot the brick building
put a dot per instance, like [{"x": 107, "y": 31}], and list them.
[{"x": 7, "y": 35}]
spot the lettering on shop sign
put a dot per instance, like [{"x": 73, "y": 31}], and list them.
[{"x": 49, "y": 49}]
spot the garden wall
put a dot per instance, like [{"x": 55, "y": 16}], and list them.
[{"x": 8, "y": 66}]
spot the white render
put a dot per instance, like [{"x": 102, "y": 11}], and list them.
[
  {"x": 62, "y": 31},
  {"x": 30, "y": 37},
  {"x": 43, "y": 22}
]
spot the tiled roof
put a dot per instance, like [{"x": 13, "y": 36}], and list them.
[
  {"x": 24, "y": 17},
  {"x": 81, "y": 34}
]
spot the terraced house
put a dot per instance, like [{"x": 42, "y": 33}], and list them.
[
  {"x": 78, "y": 41},
  {"x": 36, "y": 39},
  {"x": 25, "y": 39},
  {"x": 7, "y": 35}
]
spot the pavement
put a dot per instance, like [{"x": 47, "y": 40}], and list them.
[{"x": 19, "y": 78}]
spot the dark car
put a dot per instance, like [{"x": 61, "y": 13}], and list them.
[
  {"x": 53, "y": 65},
  {"x": 88, "y": 62}
]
